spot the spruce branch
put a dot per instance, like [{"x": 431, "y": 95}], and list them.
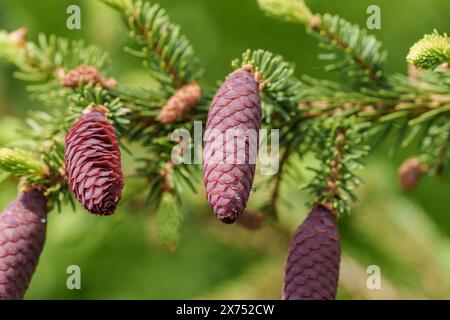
[
  {"x": 417, "y": 101},
  {"x": 357, "y": 54},
  {"x": 340, "y": 145},
  {"x": 44, "y": 64},
  {"x": 68, "y": 77},
  {"x": 421, "y": 104},
  {"x": 333, "y": 120},
  {"x": 160, "y": 42},
  {"x": 374, "y": 111},
  {"x": 173, "y": 63}
]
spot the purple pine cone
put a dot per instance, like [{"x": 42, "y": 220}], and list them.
[
  {"x": 312, "y": 268},
  {"x": 231, "y": 145},
  {"x": 22, "y": 236},
  {"x": 93, "y": 165}
]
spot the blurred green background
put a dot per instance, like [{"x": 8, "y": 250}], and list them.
[{"x": 407, "y": 235}]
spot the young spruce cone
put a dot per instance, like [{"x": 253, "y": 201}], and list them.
[
  {"x": 312, "y": 268},
  {"x": 22, "y": 236},
  {"x": 180, "y": 103},
  {"x": 92, "y": 157},
  {"x": 229, "y": 164},
  {"x": 84, "y": 74}
]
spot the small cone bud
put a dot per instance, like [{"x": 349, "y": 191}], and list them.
[
  {"x": 181, "y": 102},
  {"x": 84, "y": 74},
  {"x": 410, "y": 173}
]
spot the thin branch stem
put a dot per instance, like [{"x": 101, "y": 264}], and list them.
[
  {"x": 333, "y": 180},
  {"x": 276, "y": 189}
]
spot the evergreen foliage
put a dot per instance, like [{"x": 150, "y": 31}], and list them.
[{"x": 337, "y": 121}]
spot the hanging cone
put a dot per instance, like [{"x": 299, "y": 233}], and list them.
[
  {"x": 312, "y": 268},
  {"x": 93, "y": 167},
  {"x": 229, "y": 164},
  {"x": 22, "y": 236}
]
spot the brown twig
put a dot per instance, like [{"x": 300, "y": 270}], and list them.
[
  {"x": 278, "y": 179},
  {"x": 332, "y": 188},
  {"x": 382, "y": 109}
]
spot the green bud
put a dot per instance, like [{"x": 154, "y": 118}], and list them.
[
  {"x": 431, "y": 51},
  {"x": 124, "y": 5},
  {"x": 20, "y": 162},
  {"x": 287, "y": 10},
  {"x": 12, "y": 46}
]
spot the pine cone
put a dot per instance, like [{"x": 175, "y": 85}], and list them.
[
  {"x": 410, "y": 172},
  {"x": 85, "y": 74},
  {"x": 312, "y": 268},
  {"x": 93, "y": 166},
  {"x": 180, "y": 103},
  {"x": 22, "y": 236},
  {"x": 227, "y": 175}
]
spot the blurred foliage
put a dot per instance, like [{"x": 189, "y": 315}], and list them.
[{"x": 407, "y": 235}]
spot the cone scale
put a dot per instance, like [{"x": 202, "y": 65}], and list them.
[{"x": 228, "y": 170}]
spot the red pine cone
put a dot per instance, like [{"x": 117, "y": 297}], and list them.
[
  {"x": 312, "y": 268},
  {"x": 180, "y": 102},
  {"x": 22, "y": 236},
  {"x": 227, "y": 175},
  {"x": 93, "y": 166}
]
